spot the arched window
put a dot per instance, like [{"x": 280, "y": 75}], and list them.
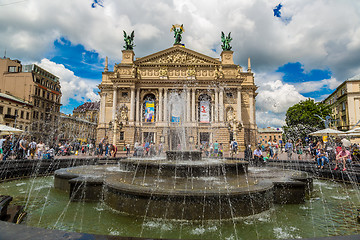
[
  {"x": 149, "y": 108},
  {"x": 204, "y": 108}
]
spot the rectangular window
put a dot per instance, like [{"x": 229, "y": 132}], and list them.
[
  {"x": 229, "y": 94},
  {"x": 27, "y": 116},
  {"x": 22, "y": 114},
  {"x": 12, "y": 69},
  {"x": 9, "y": 111},
  {"x": 48, "y": 95},
  {"x": 16, "y": 112},
  {"x": 121, "y": 136},
  {"x": 124, "y": 94},
  {"x": 343, "y": 106},
  {"x": 1, "y": 109}
]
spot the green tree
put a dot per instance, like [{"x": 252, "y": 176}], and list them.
[{"x": 303, "y": 118}]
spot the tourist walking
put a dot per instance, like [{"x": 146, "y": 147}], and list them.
[
  {"x": 289, "y": 149},
  {"x": 299, "y": 148}
]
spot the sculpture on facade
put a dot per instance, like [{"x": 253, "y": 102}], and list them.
[
  {"x": 129, "y": 41},
  {"x": 178, "y": 30},
  {"x": 225, "y": 41}
]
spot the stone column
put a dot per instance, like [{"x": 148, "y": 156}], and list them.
[
  {"x": 132, "y": 103},
  {"x": 114, "y": 104},
  {"x": 160, "y": 119},
  {"x": 221, "y": 105},
  {"x": 137, "y": 117},
  {"x": 238, "y": 110},
  {"x": 102, "y": 106},
  {"x": 252, "y": 113},
  {"x": 193, "y": 105},
  {"x": 216, "y": 105},
  {"x": 165, "y": 105},
  {"x": 188, "y": 105}
]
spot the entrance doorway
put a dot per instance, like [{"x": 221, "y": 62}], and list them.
[
  {"x": 204, "y": 137},
  {"x": 148, "y": 137},
  {"x": 174, "y": 140}
]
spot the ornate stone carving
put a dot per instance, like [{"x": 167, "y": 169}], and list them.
[
  {"x": 109, "y": 98},
  {"x": 191, "y": 72},
  {"x": 177, "y": 57},
  {"x": 219, "y": 73},
  {"x": 163, "y": 71},
  {"x": 122, "y": 114},
  {"x": 230, "y": 115}
]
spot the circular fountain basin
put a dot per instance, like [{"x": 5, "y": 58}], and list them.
[{"x": 185, "y": 190}]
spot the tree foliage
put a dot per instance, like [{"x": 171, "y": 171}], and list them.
[
  {"x": 303, "y": 118},
  {"x": 306, "y": 113}
]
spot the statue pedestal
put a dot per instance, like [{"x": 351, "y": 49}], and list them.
[
  {"x": 227, "y": 57},
  {"x": 128, "y": 56}
]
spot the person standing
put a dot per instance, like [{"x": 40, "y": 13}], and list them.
[
  {"x": 2, "y": 140},
  {"x": 32, "y": 146},
  {"x": 128, "y": 149},
  {"x": 275, "y": 147},
  {"x": 216, "y": 149},
  {"x": 40, "y": 149},
  {"x": 289, "y": 148},
  {"x": 22, "y": 148},
  {"x": 299, "y": 148}
]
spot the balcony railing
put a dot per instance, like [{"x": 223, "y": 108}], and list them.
[{"x": 9, "y": 117}]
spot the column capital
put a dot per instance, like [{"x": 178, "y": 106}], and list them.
[{"x": 239, "y": 88}]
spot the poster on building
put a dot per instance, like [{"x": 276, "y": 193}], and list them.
[
  {"x": 176, "y": 112},
  {"x": 149, "y": 111},
  {"x": 204, "y": 112}
]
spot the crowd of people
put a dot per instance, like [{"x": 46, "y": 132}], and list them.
[{"x": 333, "y": 151}]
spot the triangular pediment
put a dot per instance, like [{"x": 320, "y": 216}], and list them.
[{"x": 177, "y": 55}]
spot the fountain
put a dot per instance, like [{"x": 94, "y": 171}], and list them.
[{"x": 199, "y": 189}]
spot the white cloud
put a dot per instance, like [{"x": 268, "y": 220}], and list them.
[
  {"x": 71, "y": 86},
  {"x": 311, "y": 86},
  {"x": 31, "y": 27},
  {"x": 321, "y": 34}
]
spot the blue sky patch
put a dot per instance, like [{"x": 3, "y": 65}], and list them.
[
  {"x": 84, "y": 64},
  {"x": 277, "y": 13},
  {"x": 276, "y": 10},
  {"x": 295, "y": 73},
  {"x": 97, "y": 3}
]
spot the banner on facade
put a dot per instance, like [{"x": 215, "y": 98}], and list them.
[
  {"x": 149, "y": 111},
  {"x": 204, "y": 112}
]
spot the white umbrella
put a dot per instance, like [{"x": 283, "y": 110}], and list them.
[
  {"x": 5, "y": 130},
  {"x": 355, "y": 130},
  {"x": 345, "y": 142},
  {"x": 326, "y": 131}
]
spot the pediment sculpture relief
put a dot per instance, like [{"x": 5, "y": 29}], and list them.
[{"x": 177, "y": 57}]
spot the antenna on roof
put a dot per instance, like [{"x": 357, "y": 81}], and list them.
[{"x": 5, "y": 53}]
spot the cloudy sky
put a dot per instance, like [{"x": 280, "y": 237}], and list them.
[{"x": 303, "y": 48}]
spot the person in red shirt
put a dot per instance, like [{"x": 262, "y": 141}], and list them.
[{"x": 343, "y": 155}]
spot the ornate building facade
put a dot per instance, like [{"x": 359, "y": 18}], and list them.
[{"x": 178, "y": 97}]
